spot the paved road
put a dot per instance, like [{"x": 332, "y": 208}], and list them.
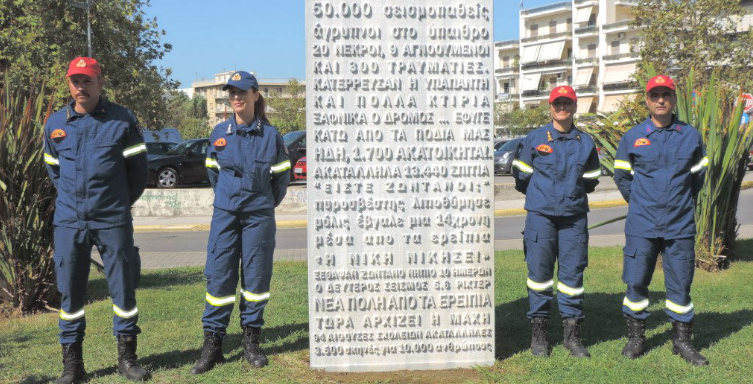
[{"x": 171, "y": 249}]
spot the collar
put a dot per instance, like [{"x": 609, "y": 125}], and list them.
[
  {"x": 554, "y": 134},
  {"x": 254, "y": 127},
  {"x": 100, "y": 109},
  {"x": 650, "y": 127}
]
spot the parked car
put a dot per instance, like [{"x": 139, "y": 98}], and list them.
[
  {"x": 184, "y": 164},
  {"x": 504, "y": 155},
  {"x": 299, "y": 171},
  {"x": 158, "y": 149},
  {"x": 499, "y": 142},
  {"x": 296, "y": 144}
]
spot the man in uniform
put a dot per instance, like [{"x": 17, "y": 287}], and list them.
[
  {"x": 659, "y": 168},
  {"x": 96, "y": 158},
  {"x": 556, "y": 165}
]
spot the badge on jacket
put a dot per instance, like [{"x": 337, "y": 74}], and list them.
[
  {"x": 544, "y": 150},
  {"x": 58, "y": 135},
  {"x": 642, "y": 141},
  {"x": 220, "y": 143}
]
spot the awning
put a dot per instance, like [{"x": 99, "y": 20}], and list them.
[
  {"x": 584, "y": 104},
  {"x": 551, "y": 51},
  {"x": 583, "y": 76},
  {"x": 530, "y": 82},
  {"x": 530, "y": 53},
  {"x": 611, "y": 103},
  {"x": 619, "y": 73},
  {"x": 583, "y": 14}
]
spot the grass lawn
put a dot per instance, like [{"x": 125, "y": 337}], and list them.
[{"x": 171, "y": 303}]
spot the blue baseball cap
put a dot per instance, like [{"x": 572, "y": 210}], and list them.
[{"x": 242, "y": 80}]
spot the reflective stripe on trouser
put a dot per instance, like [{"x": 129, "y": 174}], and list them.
[
  {"x": 548, "y": 239},
  {"x": 639, "y": 262},
  {"x": 238, "y": 239},
  {"x": 122, "y": 268}
]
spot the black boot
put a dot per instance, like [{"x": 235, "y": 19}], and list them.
[
  {"x": 681, "y": 343},
  {"x": 73, "y": 364},
  {"x": 254, "y": 355},
  {"x": 211, "y": 353},
  {"x": 571, "y": 338},
  {"x": 127, "y": 364},
  {"x": 539, "y": 345},
  {"x": 636, "y": 344}
]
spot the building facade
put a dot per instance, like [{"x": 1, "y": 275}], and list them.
[{"x": 218, "y": 104}]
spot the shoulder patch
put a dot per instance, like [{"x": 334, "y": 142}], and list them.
[
  {"x": 544, "y": 149},
  {"x": 221, "y": 142},
  {"x": 641, "y": 142},
  {"x": 58, "y": 135}
]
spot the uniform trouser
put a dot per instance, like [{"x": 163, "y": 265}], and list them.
[
  {"x": 247, "y": 238},
  {"x": 678, "y": 261},
  {"x": 564, "y": 239},
  {"x": 122, "y": 268}
]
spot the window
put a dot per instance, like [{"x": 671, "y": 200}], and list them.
[
  {"x": 569, "y": 53},
  {"x": 592, "y": 20},
  {"x": 552, "y": 82},
  {"x": 506, "y": 88},
  {"x": 505, "y": 61},
  {"x": 553, "y": 26},
  {"x": 279, "y": 90},
  {"x": 616, "y": 47},
  {"x": 534, "y": 31}
]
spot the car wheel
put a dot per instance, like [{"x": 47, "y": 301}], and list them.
[{"x": 167, "y": 178}]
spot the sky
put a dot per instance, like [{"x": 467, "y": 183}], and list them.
[{"x": 263, "y": 36}]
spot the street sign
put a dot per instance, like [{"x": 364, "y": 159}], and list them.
[{"x": 748, "y": 98}]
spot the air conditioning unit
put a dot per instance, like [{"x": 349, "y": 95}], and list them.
[{"x": 621, "y": 35}]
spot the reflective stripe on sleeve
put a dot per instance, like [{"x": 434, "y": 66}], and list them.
[
  {"x": 134, "y": 150},
  {"x": 697, "y": 168},
  {"x": 539, "y": 286},
  {"x": 220, "y": 301},
  {"x": 569, "y": 290},
  {"x": 281, "y": 167},
  {"x": 212, "y": 163},
  {"x": 522, "y": 167},
  {"x": 622, "y": 164},
  {"x": 50, "y": 160},
  {"x": 592, "y": 174},
  {"x": 253, "y": 296},
  {"x": 635, "y": 307},
  {"x": 681, "y": 309},
  {"x": 125, "y": 314},
  {"x": 71, "y": 316}
]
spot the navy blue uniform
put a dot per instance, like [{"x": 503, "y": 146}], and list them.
[
  {"x": 97, "y": 162},
  {"x": 659, "y": 171},
  {"x": 555, "y": 171},
  {"x": 249, "y": 171}
]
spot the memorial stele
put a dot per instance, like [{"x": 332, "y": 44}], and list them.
[{"x": 399, "y": 100}]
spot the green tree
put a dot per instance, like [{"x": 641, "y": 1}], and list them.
[
  {"x": 39, "y": 37},
  {"x": 520, "y": 121},
  {"x": 288, "y": 113},
  {"x": 189, "y": 116},
  {"x": 681, "y": 35}
]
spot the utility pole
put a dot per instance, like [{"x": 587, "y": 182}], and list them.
[{"x": 86, "y": 6}]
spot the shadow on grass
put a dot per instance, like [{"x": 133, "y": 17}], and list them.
[
  {"x": 743, "y": 250},
  {"x": 168, "y": 278},
  {"x": 604, "y": 322},
  {"x": 233, "y": 341},
  {"x": 37, "y": 379}
]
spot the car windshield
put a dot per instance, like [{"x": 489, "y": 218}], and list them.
[
  {"x": 509, "y": 146},
  {"x": 159, "y": 148},
  {"x": 291, "y": 137},
  {"x": 180, "y": 148}
]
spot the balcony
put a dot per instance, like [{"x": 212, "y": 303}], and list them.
[
  {"x": 621, "y": 86},
  {"x": 537, "y": 93},
  {"x": 557, "y": 6},
  {"x": 591, "y": 88},
  {"x": 619, "y": 24},
  {"x": 548, "y": 64},
  {"x": 587, "y": 30},
  {"x": 510, "y": 70},
  {"x": 585, "y": 1},
  {"x": 549, "y": 36},
  {"x": 587, "y": 60},
  {"x": 505, "y": 96},
  {"x": 619, "y": 56}
]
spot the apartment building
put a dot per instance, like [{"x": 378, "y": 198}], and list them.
[
  {"x": 218, "y": 104},
  {"x": 588, "y": 44}
]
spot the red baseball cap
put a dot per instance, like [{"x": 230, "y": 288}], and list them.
[
  {"x": 84, "y": 66},
  {"x": 660, "y": 81},
  {"x": 563, "y": 91}
]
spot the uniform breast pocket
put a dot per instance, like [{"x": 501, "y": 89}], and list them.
[
  {"x": 67, "y": 149},
  {"x": 262, "y": 173},
  {"x": 645, "y": 159},
  {"x": 542, "y": 163},
  {"x": 683, "y": 162},
  {"x": 108, "y": 160}
]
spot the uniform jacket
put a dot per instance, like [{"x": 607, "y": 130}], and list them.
[
  {"x": 248, "y": 166},
  {"x": 97, "y": 161},
  {"x": 659, "y": 172},
  {"x": 555, "y": 171}
]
